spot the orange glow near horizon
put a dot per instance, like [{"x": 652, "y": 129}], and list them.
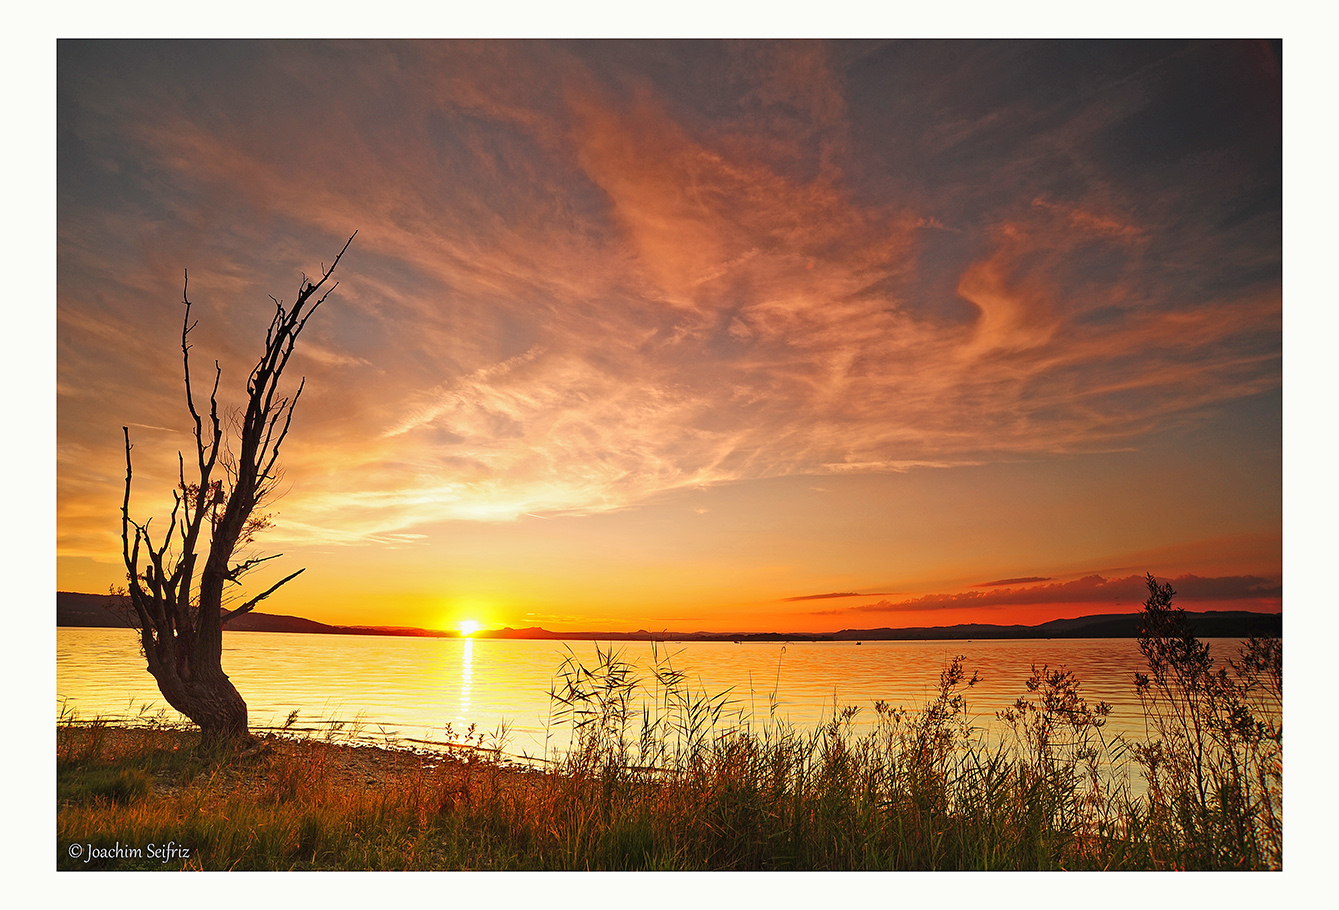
[{"x": 741, "y": 336}]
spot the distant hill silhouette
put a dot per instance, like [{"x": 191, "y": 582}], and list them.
[
  {"x": 1206, "y": 624},
  {"x": 104, "y": 610}
]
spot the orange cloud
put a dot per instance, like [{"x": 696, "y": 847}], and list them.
[
  {"x": 1092, "y": 589},
  {"x": 575, "y": 289}
]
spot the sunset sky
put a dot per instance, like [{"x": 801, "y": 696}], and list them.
[{"x": 693, "y": 335}]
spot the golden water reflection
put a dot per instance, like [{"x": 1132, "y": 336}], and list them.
[
  {"x": 411, "y": 688},
  {"x": 466, "y": 680}
]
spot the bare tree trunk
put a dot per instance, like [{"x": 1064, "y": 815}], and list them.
[
  {"x": 181, "y": 620},
  {"x": 206, "y": 696}
]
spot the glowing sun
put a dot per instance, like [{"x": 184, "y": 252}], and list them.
[{"x": 468, "y": 627}]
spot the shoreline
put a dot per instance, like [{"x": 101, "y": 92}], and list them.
[
  {"x": 95, "y": 611},
  {"x": 349, "y": 758},
  {"x": 825, "y": 799}
]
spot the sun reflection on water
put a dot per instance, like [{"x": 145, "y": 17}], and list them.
[
  {"x": 410, "y": 684},
  {"x": 466, "y": 678}
]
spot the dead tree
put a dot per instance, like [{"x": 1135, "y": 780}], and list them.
[{"x": 178, "y": 583}]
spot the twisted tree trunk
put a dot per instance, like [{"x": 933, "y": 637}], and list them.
[{"x": 181, "y": 617}]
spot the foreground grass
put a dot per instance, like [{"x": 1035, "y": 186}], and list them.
[
  {"x": 293, "y": 805},
  {"x": 280, "y": 805},
  {"x": 826, "y": 799},
  {"x": 695, "y": 791}
]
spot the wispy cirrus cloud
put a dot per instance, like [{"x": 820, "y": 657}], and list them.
[
  {"x": 587, "y": 274},
  {"x": 1010, "y": 581},
  {"x": 830, "y": 596}
]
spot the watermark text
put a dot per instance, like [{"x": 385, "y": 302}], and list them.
[{"x": 163, "y": 853}]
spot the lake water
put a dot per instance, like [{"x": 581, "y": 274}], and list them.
[{"x": 408, "y": 690}]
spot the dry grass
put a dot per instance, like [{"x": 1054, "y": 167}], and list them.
[{"x": 676, "y": 784}]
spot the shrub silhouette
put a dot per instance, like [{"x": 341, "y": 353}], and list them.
[{"x": 1214, "y": 762}]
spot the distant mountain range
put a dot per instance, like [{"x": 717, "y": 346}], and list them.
[{"x": 104, "y": 610}]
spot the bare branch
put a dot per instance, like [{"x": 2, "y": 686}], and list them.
[
  {"x": 131, "y": 557},
  {"x": 251, "y": 604},
  {"x": 246, "y": 566},
  {"x": 288, "y": 419}
]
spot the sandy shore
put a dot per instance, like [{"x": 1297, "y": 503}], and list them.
[{"x": 341, "y": 766}]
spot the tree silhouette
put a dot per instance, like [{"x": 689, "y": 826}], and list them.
[{"x": 177, "y": 585}]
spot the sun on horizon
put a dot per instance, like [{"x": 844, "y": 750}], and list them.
[{"x": 468, "y": 627}]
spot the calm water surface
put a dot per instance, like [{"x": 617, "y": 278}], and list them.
[{"x": 410, "y": 689}]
